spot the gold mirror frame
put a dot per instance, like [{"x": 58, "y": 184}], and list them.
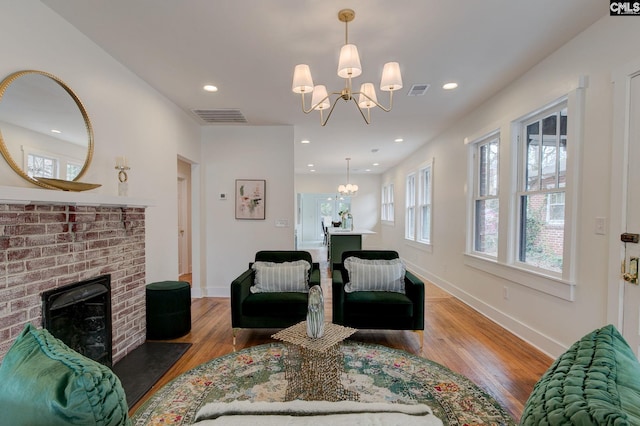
[{"x": 4, "y": 149}]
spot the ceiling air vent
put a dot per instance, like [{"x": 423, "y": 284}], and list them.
[
  {"x": 220, "y": 116},
  {"x": 418, "y": 89}
]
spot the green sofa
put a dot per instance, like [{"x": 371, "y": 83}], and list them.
[
  {"x": 377, "y": 309},
  {"x": 270, "y": 309},
  {"x": 595, "y": 382}
]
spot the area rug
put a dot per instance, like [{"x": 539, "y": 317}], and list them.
[
  {"x": 140, "y": 369},
  {"x": 376, "y": 373}
]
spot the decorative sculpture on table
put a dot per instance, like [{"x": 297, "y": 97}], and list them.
[{"x": 315, "y": 313}]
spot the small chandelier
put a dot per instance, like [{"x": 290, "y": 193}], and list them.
[
  {"x": 348, "y": 189},
  {"x": 348, "y": 67}
]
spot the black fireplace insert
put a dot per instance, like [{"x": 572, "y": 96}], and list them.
[{"x": 79, "y": 314}]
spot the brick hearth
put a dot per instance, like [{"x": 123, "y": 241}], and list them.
[{"x": 46, "y": 246}]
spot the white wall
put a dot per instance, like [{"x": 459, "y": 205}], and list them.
[
  {"x": 129, "y": 118},
  {"x": 548, "y": 322},
  {"x": 365, "y": 207},
  {"x": 243, "y": 152}
]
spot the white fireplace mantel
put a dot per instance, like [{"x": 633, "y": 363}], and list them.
[{"x": 19, "y": 195}]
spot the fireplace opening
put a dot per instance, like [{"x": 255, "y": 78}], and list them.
[{"x": 79, "y": 314}]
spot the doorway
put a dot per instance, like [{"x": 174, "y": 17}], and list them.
[
  {"x": 184, "y": 221},
  {"x": 315, "y": 210},
  {"x": 624, "y": 288}
]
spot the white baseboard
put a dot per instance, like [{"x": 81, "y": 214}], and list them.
[
  {"x": 542, "y": 342},
  {"x": 199, "y": 292}
]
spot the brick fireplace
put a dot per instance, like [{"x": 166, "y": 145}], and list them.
[{"x": 47, "y": 245}]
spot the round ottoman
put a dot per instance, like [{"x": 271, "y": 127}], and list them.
[{"x": 168, "y": 309}]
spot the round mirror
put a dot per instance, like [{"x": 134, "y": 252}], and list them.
[{"x": 45, "y": 131}]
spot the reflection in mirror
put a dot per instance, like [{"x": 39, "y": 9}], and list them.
[{"x": 44, "y": 128}]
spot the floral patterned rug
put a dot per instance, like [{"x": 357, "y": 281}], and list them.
[{"x": 376, "y": 373}]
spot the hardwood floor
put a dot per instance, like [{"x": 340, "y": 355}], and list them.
[{"x": 455, "y": 335}]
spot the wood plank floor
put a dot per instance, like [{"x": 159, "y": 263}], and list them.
[{"x": 455, "y": 335}]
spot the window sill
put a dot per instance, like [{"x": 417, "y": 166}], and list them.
[
  {"x": 544, "y": 283},
  {"x": 420, "y": 246},
  {"x": 388, "y": 222}
]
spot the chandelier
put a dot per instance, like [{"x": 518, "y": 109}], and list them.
[
  {"x": 348, "y": 189},
  {"x": 348, "y": 68}
]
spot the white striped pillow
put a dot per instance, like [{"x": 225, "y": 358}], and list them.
[
  {"x": 374, "y": 275},
  {"x": 274, "y": 277}
]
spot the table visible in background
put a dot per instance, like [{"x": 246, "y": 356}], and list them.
[{"x": 313, "y": 366}]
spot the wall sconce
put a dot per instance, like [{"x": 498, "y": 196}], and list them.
[{"x": 122, "y": 165}]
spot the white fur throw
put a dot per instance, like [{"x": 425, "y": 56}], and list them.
[{"x": 309, "y": 413}]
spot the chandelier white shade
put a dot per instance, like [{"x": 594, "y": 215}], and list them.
[
  {"x": 349, "y": 188},
  {"x": 302, "y": 82},
  {"x": 319, "y": 98},
  {"x": 349, "y": 62},
  {"x": 367, "y": 98},
  {"x": 348, "y": 67}
]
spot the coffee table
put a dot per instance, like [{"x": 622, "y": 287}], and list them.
[{"x": 313, "y": 367}]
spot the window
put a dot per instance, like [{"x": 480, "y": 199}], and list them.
[
  {"x": 527, "y": 234},
  {"x": 541, "y": 195},
  {"x": 555, "y": 209},
  {"x": 419, "y": 205},
  {"x": 410, "y": 208},
  {"x": 485, "y": 195},
  {"x": 73, "y": 170},
  {"x": 41, "y": 166},
  {"x": 387, "y": 210},
  {"x": 425, "y": 205},
  {"x": 41, "y": 163}
]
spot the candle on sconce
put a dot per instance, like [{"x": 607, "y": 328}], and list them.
[{"x": 122, "y": 162}]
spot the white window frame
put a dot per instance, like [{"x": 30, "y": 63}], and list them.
[
  {"x": 549, "y": 219},
  {"x": 61, "y": 161},
  {"x": 410, "y": 207},
  {"x": 562, "y": 285},
  {"x": 475, "y": 195},
  {"x": 387, "y": 207},
  {"x": 418, "y": 200},
  {"x": 523, "y": 190},
  {"x": 55, "y": 172},
  {"x": 425, "y": 204}
]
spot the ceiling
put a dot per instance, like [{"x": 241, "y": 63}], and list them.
[{"x": 248, "y": 49}]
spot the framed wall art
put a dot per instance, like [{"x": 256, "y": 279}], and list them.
[{"x": 250, "y": 199}]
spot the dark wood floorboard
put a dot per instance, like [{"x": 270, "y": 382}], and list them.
[{"x": 455, "y": 335}]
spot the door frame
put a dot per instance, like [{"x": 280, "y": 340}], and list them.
[
  {"x": 184, "y": 257},
  {"x": 621, "y": 83}
]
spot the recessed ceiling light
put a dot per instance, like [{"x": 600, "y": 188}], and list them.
[
  {"x": 449, "y": 86},
  {"x": 399, "y": 140},
  {"x": 305, "y": 141},
  {"x": 309, "y": 165},
  {"x": 55, "y": 131},
  {"x": 367, "y": 170},
  {"x": 210, "y": 88},
  {"x": 376, "y": 164},
  {"x": 312, "y": 170}
]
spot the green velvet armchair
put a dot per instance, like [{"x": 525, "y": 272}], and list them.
[
  {"x": 385, "y": 310},
  {"x": 270, "y": 309}
]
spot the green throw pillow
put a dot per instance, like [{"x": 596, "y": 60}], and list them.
[
  {"x": 44, "y": 382},
  {"x": 595, "y": 382}
]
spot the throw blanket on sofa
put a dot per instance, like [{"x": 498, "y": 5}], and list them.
[{"x": 315, "y": 413}]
